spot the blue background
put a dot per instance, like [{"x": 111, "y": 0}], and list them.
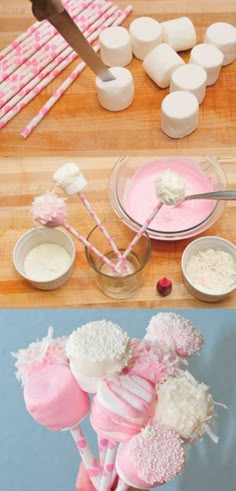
[{"x": 34, "y": 459}]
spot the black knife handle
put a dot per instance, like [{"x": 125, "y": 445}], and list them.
[{"x": 42, "y": 9}]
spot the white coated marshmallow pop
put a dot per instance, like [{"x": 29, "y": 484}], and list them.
[
  {"x": 160, "y": 63},
  {"x": 116, "y": 95},
  {"x": 179, "y": 33},
  {"x": 223, "y": 36},
  {"x": 145, "y": 34},
  {"x": 210, "y": 58},
  {"x": 179, "y": 114},
  {"x": 115, "y": 46},
  {"x": 190, "y": 77}
]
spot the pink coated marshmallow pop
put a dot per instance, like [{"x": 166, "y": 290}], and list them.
[
  {"x": 55, "y": 400},
  {"x": 174, "y": 330},
  {"x": 151, "y": 458},
  {"x": 153, "y": 362},
  {"x": 49, "y": 210},
  {"x": 48, "y": 351},
  {"x": 122, "y": 406}
]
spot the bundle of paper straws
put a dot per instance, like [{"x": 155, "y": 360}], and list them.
[{"x": 40, "y": 54}]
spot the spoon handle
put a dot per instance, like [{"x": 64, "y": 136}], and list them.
[{"x": 219, "y": 195}]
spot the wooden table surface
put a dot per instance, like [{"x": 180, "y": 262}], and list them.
[{"x": 78, "y": 129}]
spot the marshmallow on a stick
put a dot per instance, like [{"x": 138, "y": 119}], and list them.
[
  {"x": 115, "y": 46},
  {"x": 210, "y": 58},
  {"x": 116, "y": 95},
  {"x": 190, "y": 77},
  {"x": 69, "y": 178},
  {"x": 160, "y": 63},
  {"x": 152, "y": 457},
  {"x": 179, "y": 33},
  {"x": 97, "y": 349},
  {"x": 223, "y": 36},
  {"x": 179, "y": 114},
  {"x": 145, "y": 34}
]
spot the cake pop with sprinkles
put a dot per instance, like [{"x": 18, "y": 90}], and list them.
[
  {"x": 151, "y": 458},
  {"x": 153, "y": 362},
  {"x": 96, "y": 349},
  {"x": 49, "y": 210},
  {"x": 122, "y": 405},
  {"x": 174, "y": 330},
  {"x": 185, "y": 406}
]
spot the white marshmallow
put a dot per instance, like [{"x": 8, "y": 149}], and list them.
[
  {"x": 179, "y": 114},
  {"x": 179, "y": 33},
  {"x": 160, "y": 63},
  {"x": 223, "y": 36},
  {"x": 115, "y": 46},
  {"x": 210, "y": 58},
  {"x": 191, "y": 78},
  {"x": 118, "y": 94},
  {"x": 70, "y": 178},
  {"x": 145, "y": 34}
]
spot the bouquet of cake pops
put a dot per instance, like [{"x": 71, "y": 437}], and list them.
[{"x": 143, "y": 403}]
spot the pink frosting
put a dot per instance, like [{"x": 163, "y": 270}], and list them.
[
  {"x": 49, "y": 210},
  {"x": 150, "y": 458},
  {"x": 122, "y": 406},
  {"x": 175, "y": 331},
  {"x": 54, "y": 399},
  {"x": 151, "y": 361}
]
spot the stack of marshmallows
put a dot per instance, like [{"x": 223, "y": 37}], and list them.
[
  {"x": 142, "y": 402},
  {"x": 157, "y": 45}
]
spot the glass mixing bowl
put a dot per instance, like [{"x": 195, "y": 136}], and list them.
[{"x": 122, "y": 177}]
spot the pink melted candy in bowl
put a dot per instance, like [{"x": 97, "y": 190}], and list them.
[{"x": 132, "y": 194}]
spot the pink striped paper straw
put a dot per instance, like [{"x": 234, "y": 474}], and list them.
[
  {"x": 40, "y": 84},
  {"x": 95, "y": 19},
  {"x": 40, "y": 35},
  {"x": 48, "y": 52},
  {"x": 89, "y": 246},
  {"x": 102, "y": 448},
  {"x": 66, "y": 84},
  {"x": 4, "y": 53},
  {"x": 91, "y": 464},
  {"x": 140, "y": 233},
  {"x": 109, "y": 465}
]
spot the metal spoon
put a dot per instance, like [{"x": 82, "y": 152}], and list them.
[{"x": 217, "y": 195}]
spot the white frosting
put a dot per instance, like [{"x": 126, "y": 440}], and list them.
[
  {"x": 170, "y": 188},
  {"x": 98, "y": 348},
  {"x": 190, "y": 77},
  {"x": 115, "y": 46},
  {"x": 210, "y": 58},
  {"x": 160, "y": 63},
  {"x": 179, "y": 114},
  {"x": 223, "y": 36},
  {"x": 185, "y": 407},
  {"x": 118, "y": 94},
  {"x": 69, "y": 178},
  {"x": 179, "y": 33},
  {"x": 145, "y": 34},
  {"x": 46, "y": 262}
]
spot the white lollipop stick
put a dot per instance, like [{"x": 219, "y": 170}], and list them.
[
  {"x": 108, "y": 468},
  {"x": 91, "y": 464},
  {"x": 121, "y": 486},
  {"x": 140, "y": 233}
]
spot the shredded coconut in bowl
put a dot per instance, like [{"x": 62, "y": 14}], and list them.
[
  {"x": 212, "y": 270},
  {"x": 170, "y": 188}
]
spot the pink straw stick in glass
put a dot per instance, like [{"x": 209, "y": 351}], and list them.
[
  {"x": 51, "y": 71},
  {"x": 140, "y": 232},
  {"x": 66, "y": 84}
]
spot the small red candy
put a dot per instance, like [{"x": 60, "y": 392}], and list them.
[{"x": 164, "y": 286}]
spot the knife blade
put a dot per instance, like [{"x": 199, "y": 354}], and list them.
[{"x": 54, "y": 12}]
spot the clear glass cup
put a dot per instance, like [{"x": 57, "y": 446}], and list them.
[{"x": 130, "y": 279}]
